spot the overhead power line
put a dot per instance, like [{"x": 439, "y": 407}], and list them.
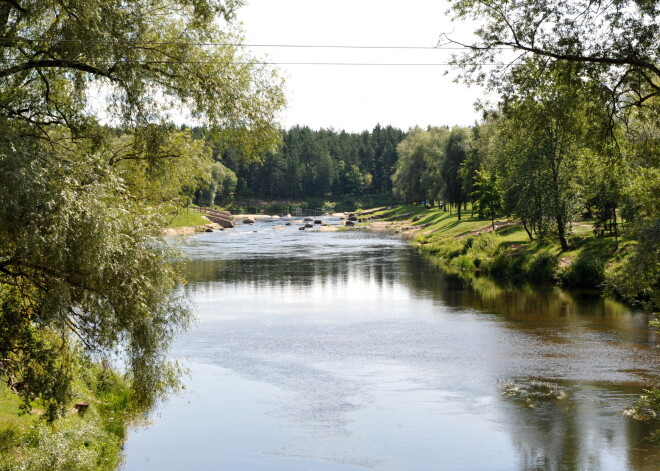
[
  {"x": 157, "y": 62},
  {"x": 229, "y": 44}
]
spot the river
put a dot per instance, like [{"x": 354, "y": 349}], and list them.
[{"x": 349, "y": 351}]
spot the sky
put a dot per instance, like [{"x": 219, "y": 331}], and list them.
[{"x": 356, "y": 98}]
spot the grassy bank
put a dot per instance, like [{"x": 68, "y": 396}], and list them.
[
  {"x": 82, "y": 440},
  {"x": 187, "y": 218},
  {"x": 470, "y": 247}
]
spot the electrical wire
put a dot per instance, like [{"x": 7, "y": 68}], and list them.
[{"x": 226, "y": 44}]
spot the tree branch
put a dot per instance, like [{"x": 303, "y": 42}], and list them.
[{"x": 54, "y": 64}]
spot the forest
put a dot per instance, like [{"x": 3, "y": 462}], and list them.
[{"x": 308, "y": 163}]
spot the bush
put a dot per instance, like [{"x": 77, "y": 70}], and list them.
[
  {"x": 588, "y": 271},
  {"x": 497, "y": 267},
  {"x": 8, "y": 439},
  {"x": 75, "y": 446},
  {"x": 349, "y": 204},
  {"x": 486, "y": 243},
  {"x": 463, "y": 263},
  {"x": 542, "y": 268}
]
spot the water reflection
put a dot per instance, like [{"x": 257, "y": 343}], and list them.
[{"x": 350, "y": 351}]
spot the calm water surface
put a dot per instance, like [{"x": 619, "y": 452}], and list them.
[{"x": 348, "y": 351}]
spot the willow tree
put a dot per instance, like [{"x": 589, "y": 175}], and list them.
[{"x": 80, "y": 203}]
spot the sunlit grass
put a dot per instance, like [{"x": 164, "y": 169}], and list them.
[
  {"x": 469, "y": 246},
  {"x": 188, "y": 219}
]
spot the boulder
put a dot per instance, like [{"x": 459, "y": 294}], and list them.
[
  {"x": 318, "y": 221},
  {"x": 278, "y": 227},
  {"x": 350, "y": 223},
  {"x": 249, "y": 220}
]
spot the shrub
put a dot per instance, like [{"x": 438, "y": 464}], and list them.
[
  {"x": 8, "y": 439},
  {"x": 463, "y": 263},
  {"x": 486, "y": 243},
  {"x": 588, "y": 271},
  {"x": 497, "y": 267},
  {"x": 542, "y": 268}
]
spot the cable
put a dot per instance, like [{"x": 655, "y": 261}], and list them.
[
  {"x": 15, "y": 61},
  {"x": 186, "y": 43}
]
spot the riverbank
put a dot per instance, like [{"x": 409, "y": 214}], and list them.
[
  {"x": 472, "y": 247},
  {"x": 89, "y": 436}
]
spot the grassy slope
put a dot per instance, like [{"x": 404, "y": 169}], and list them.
[
  {"x": 82, "y": 442},
  {"x": 507, "y": 253},
  {"x": 188, "y": 219}
]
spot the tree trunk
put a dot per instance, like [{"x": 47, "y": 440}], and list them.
[
  {"x": 524, "y": 223},
  {"x": 561, "y": 230}
]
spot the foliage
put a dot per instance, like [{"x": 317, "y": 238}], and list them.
[
  {"x": 579, "y": 128},
  {"x": 89, "y": 440},
  {"x": 315, "y": 163},
  {"x": 587, "y": 271},
  {"x": 220, "y": 187},
  {"x": 647, "y": 409},
  {"x": 456, "y": 152},
  {"x": 486, "y": 195},
  {"x": 81, "y": 204},
  {"x": 618, "y": 43},
  {"x": 417, "y": 170}
]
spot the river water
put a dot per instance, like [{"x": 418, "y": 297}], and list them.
[{"x": 349, "y": 351}]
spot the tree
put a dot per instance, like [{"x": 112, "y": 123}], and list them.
[
  {"x": 487, "y": 198},
  {"x": 221, "y": 184},
  {"x": 81, "y": 205},
  {"x": 457, "y": 150},
  {"x": 617, "y": 43},
  {"x": 354, "y": 181},
  {"x": 410, "y": 167}
]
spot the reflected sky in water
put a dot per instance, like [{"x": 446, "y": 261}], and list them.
[{"x": 347, "y": 351}]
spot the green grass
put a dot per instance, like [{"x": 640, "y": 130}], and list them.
[
  {"x": 508, "y": 254},
  {"x": 188, "y": 219},
  {"x": 91, "y": 441}
]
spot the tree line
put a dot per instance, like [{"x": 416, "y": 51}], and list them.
[{"x": 308, "y": 163}]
